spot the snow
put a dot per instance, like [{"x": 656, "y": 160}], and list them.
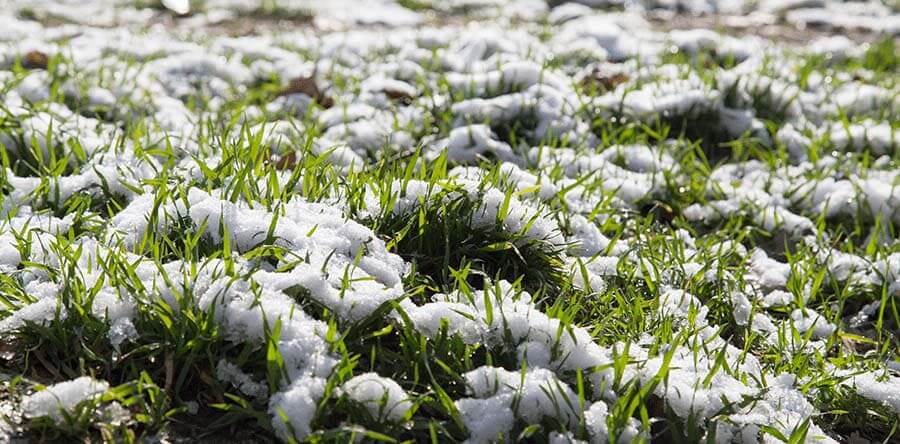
[
  {"x": 589, "y": 240},
  {"x": 62, "y": 397},
  {"x": 807, "y": 321},
  {"x": 41, "y": 312},
  {"x": 519, "y": 217},
  {"x": 468, "y": 143},
  {"x": 767, "y": 271},
  {"x": 178, "y": 6},
  {"x": 884, "y": 389},
  {"x": 499, "y": 396},
  {"x": 693, "y": 388},
  {"x": 296, "y": 406},
  {"x": 119, "y": 312},
  {"x": 780, "y": 406},
  {"x": 228, "y": 372},
  {"x": 382, "y": 397},
  {"x": 316, "y": 231},
  {"x": 502, "y": 317}
]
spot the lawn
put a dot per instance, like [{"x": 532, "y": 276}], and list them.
[{"x": 428, "y": 221}]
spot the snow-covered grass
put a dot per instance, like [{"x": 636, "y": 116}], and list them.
[{"x": 446, "y": 221}]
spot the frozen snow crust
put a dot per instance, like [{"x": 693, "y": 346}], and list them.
[{"x": 515, "y": 221}]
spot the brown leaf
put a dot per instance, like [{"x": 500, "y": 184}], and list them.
[
  {"x": 170, "y": 372},
  {"x": 35, "y": 60},
  {"x": 858, "y": 343},
  {"x": 287, "y": 161},
  {"x": 307, "y": 85},
  {"x": 49, "y": 367},
  {"x": 398, "y": 95},
  {"x": 603, "y": 78}
]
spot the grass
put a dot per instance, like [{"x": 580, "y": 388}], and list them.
[{"x": 164, "y": 377}]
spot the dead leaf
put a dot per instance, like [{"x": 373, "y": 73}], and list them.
[
  {"x": 603, "y": 78},
  {"x": 170, "y": 372},
  {"x": 287, "y": 161},
  {"x": 307, "y": 85},
  {"x": 398, "y": 95},
  {"x": 35, "y": 60},
  {"x": 47, "y": 365},
  {"x": 857, "y": 343}
]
